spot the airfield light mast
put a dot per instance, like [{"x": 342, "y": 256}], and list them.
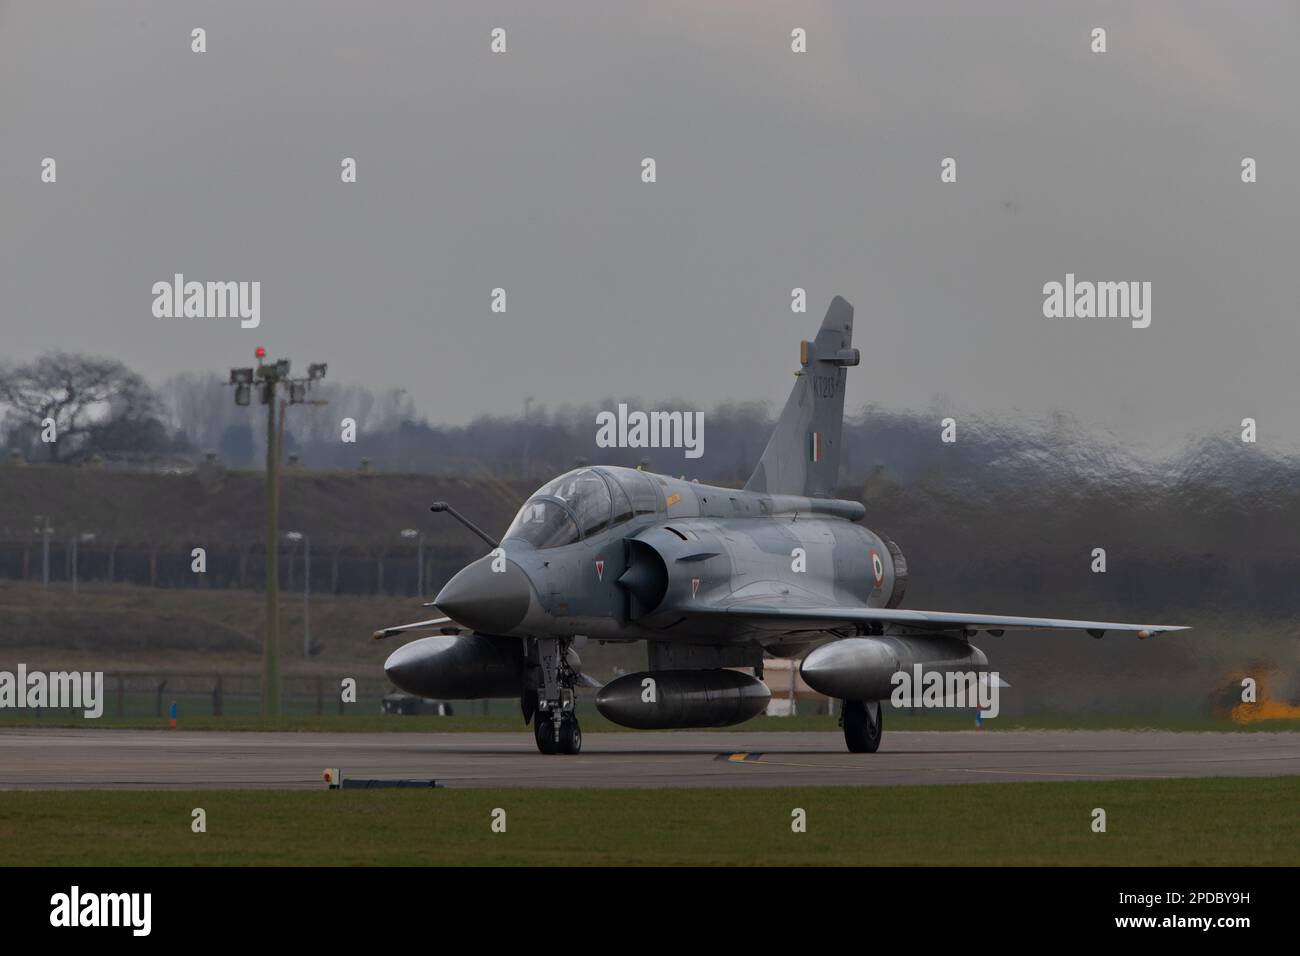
[{"x": 267, "y": 376}]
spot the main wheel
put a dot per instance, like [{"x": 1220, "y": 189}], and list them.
[
  {"x": 570, "y": 735},
  {"x": 544, "y": 732},
  {"x": 863, "y": 726}
]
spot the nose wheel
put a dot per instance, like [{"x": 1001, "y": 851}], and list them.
[
  {"x": 570, "y": 735},
  {"x": 544, "y": 733},
  {"x": 566, "y": 740},
  {"x": 863, "y": 723}
]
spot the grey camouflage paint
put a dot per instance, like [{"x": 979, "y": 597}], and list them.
[
  {"x": 719, "y": 546},
  {"x": 814, "y": 412},
  {"x": 709, "y": 577}
]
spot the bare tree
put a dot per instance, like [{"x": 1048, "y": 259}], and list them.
[
  {"x": 80, "y": 393},
  {"x": 201, "y": 405}
]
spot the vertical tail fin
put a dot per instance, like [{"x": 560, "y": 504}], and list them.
[{"x": 803, "y": 455}]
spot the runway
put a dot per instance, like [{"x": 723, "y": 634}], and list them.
[{"x": 142, "y": 759}]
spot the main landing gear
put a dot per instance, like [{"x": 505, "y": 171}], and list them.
[
  {"x": 863, "y": 722},
  {"x": 555, "y": 724}
]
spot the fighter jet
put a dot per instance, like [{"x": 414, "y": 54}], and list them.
[{"x": 713, "y": 579}]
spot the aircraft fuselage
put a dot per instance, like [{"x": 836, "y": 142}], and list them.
[{"x": 704, "y": 543}]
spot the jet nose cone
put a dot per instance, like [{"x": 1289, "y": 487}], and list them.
[{"x": 492, "y": 602}]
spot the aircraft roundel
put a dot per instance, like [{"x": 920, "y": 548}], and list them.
[{"x": 877, "y": 567}]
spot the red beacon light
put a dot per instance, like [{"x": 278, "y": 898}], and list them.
[{"x": 260, "y": 352}]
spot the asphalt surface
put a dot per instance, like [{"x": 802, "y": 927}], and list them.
[{"x": 145, "y": 759}]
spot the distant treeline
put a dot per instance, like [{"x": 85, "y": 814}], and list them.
[
  {"x": 1010, "y": 509},
  {"x": 991, "y": 529}
]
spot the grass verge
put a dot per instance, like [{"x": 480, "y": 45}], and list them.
[{"x": 1197, "y": 822}]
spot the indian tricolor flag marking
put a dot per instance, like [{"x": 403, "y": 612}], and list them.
[{"x": 815, "y": 446}]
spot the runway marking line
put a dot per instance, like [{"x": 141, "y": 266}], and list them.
[
  {"x": 1050, "y": 773},
  {"x": 757, "y": 758}
]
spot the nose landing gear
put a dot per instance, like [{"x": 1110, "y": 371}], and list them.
[
  {"x": 568, "y": 739},
  {"x": 555, "y": 724}
]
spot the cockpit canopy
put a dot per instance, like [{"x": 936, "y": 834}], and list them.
[{"x": 583, "y": 503}]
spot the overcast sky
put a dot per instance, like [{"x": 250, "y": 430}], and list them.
[{"x": 775, "y": 170}]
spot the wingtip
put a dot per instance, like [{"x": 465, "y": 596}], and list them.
[{"x": 1146, "y": 632}]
